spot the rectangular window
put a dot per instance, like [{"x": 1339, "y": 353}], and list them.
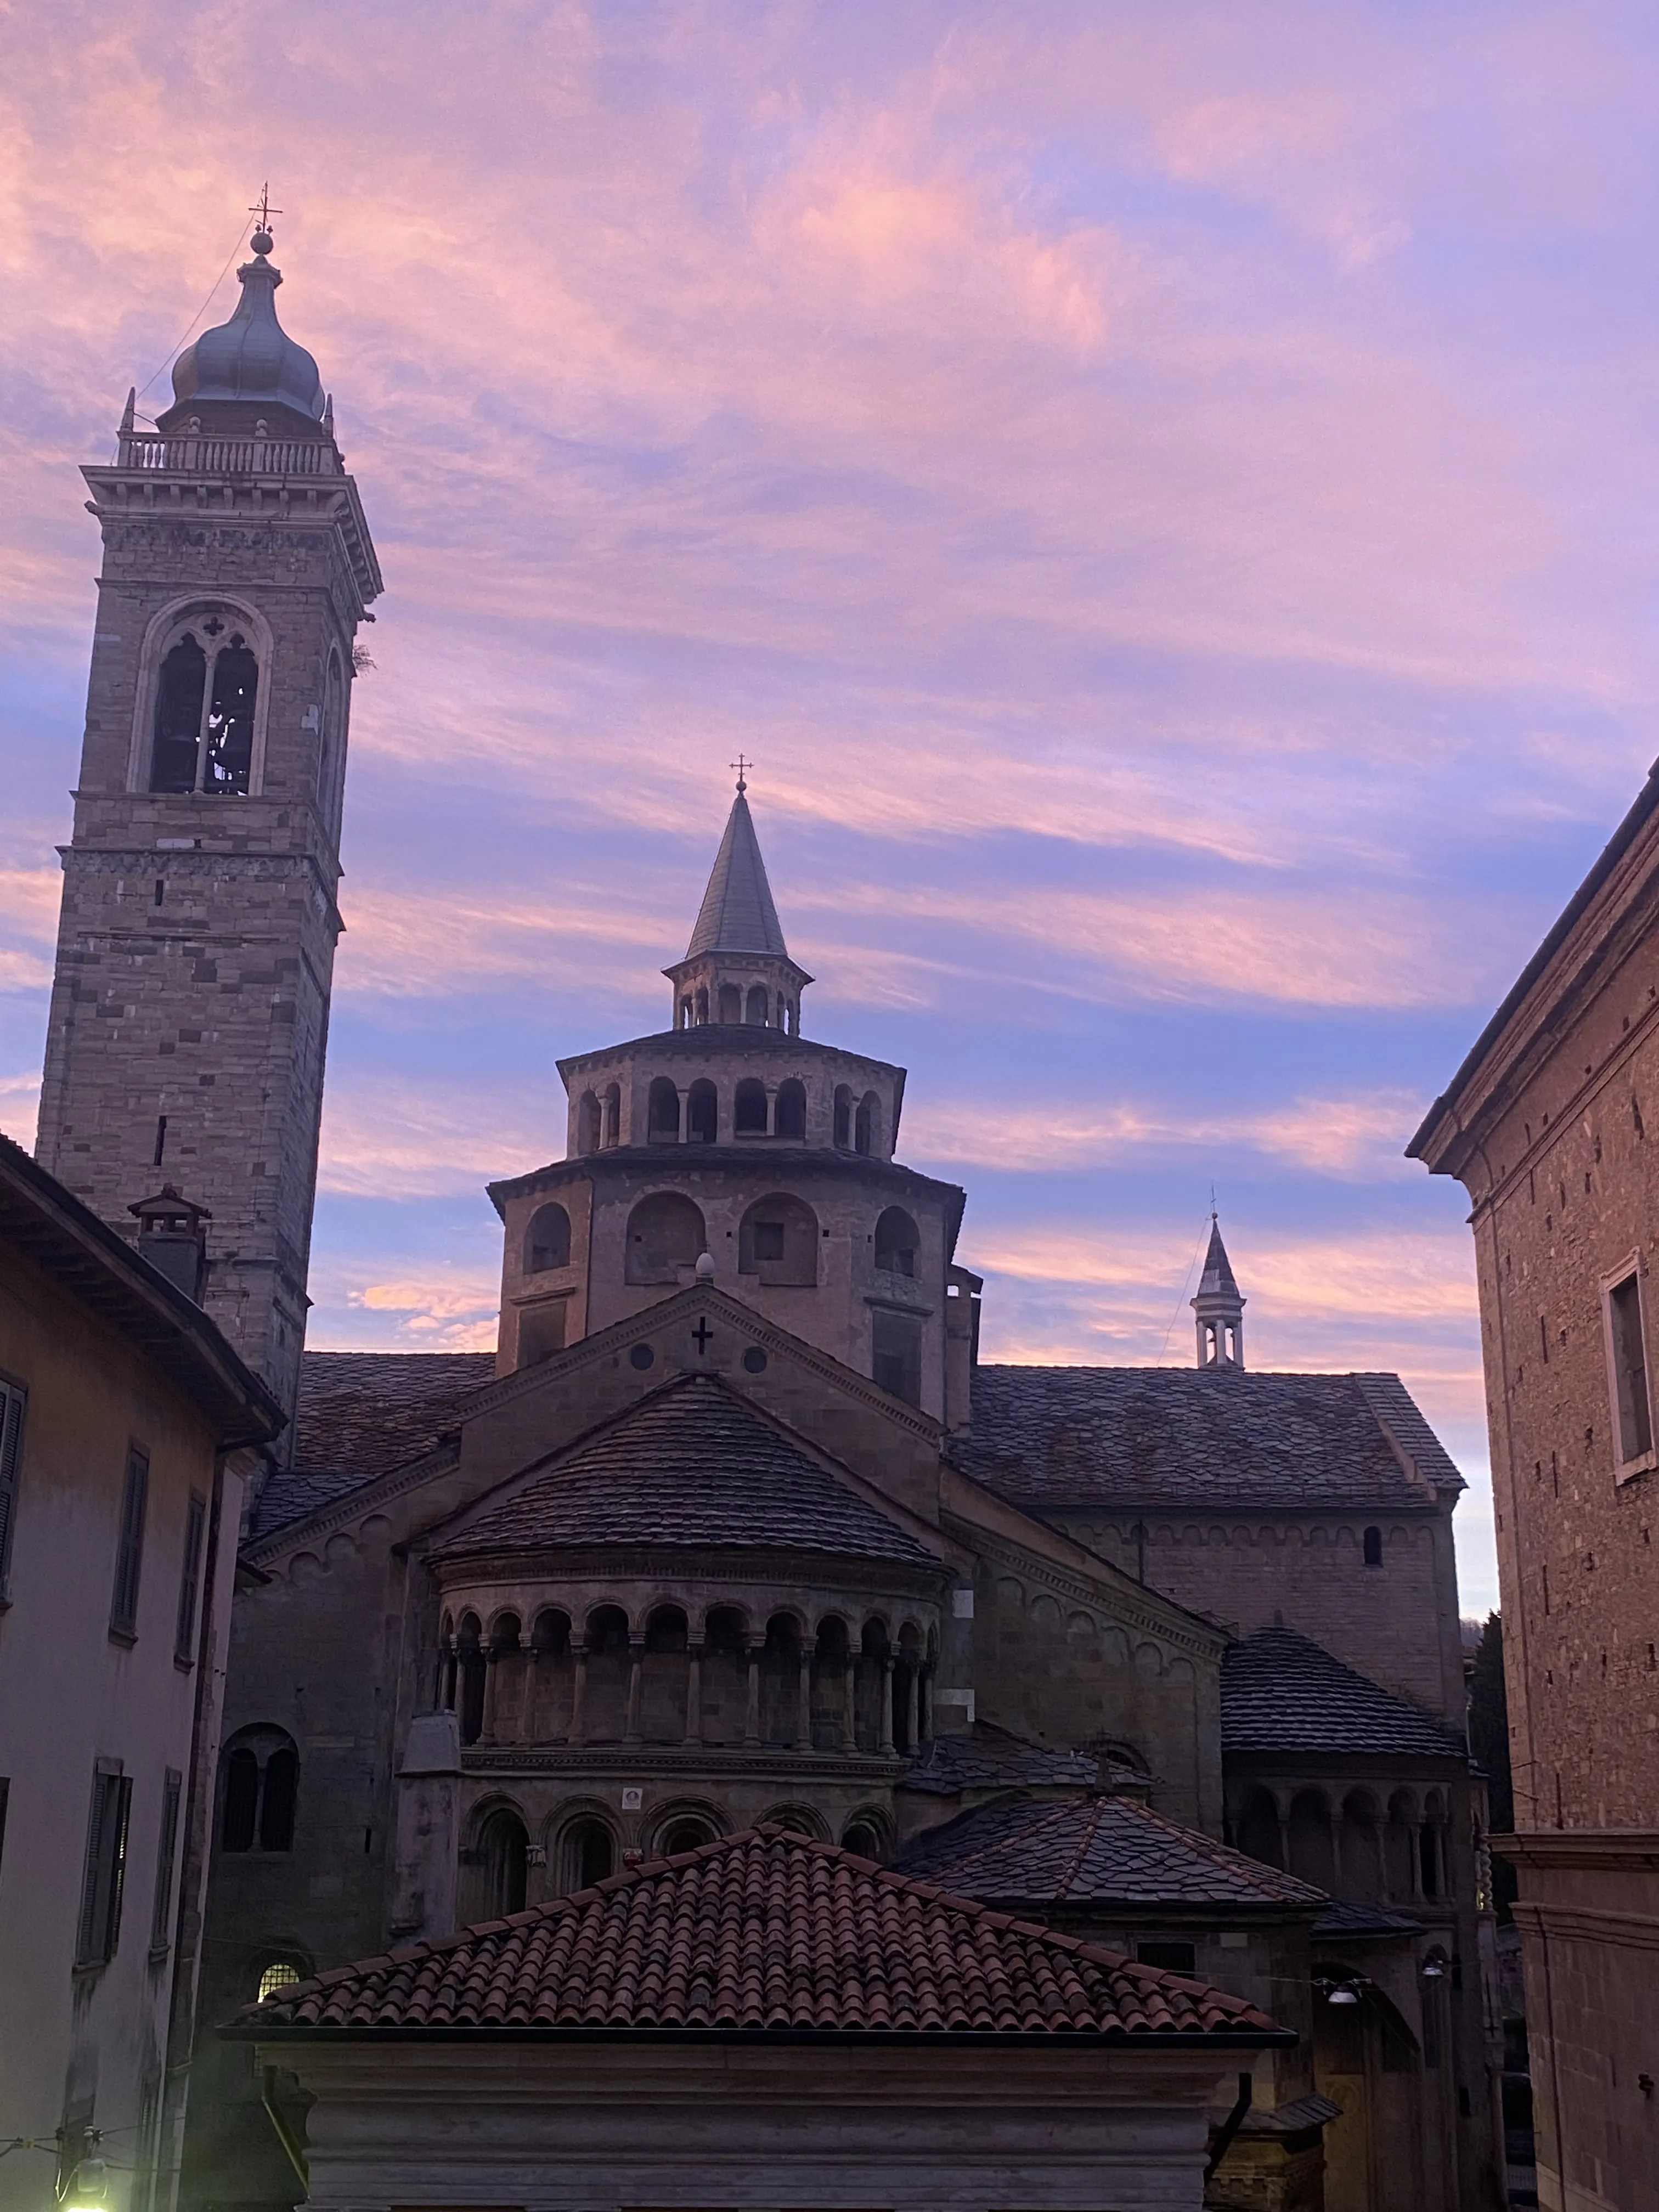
[
  {"x": 129, "y": 1546},
  {"x": 895, "y": 1354},
  {"x": 1628, "y": 1376},
  {"x": 167, "y": 1855},
  {"x": 1173, "y": 1957},
  {"x": 105, "y": 1866},
  {"x": 11, "y": 1460},
  {"x": 183, "y": 1635}
]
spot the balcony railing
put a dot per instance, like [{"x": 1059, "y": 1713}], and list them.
[{"x": 195, "y": 455}]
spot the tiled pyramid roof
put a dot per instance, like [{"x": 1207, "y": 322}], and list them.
[
  {"x": 738, "y": 915},
  {"x": 1091, "y": 1851},
  {"x": 692, "y": 1464},
  {"x": 1046, "y": 1437},
  {"x": 1282, "y": 1691},
  {"x": 762, "y": 1930}
]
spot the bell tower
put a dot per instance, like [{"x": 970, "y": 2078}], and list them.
[
  {"x": 1218, "y": 1308},
  {"x": 189, "y": 1005}
]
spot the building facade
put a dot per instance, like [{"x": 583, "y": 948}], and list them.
[
  {"x": 128, "y": 1430},
  {"x": 189, "y": 1019},
  {"x": 1545, "y": 1125}
]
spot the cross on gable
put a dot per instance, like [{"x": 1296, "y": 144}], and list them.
[{"x": 702, "y": 1336}]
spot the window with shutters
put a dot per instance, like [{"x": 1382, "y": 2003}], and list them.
[
  {"x": 129, "y": 1546},
  {"x": 101, "y": 1879},
  {"x": 166, "y": 1860},
  {"x": 12, "y": 1400},
  {"x": 183, "y": 1636}
]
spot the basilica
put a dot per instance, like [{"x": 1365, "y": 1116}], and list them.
[{"x": 732, "y": 1745}]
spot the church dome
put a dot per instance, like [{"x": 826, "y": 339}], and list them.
[{"x": 251, "y": 357}]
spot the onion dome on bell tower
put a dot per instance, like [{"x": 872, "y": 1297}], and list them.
[
  {"x": 737, "y": 967},
  {"x": 248, "y": 369}
]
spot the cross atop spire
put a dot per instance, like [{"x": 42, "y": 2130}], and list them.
[
  {"x": 740, "y": 763},
  {"x": 264, "y": 212},
  {"x": 1219, "y": 1306}
]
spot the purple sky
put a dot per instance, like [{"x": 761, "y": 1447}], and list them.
[{"x": 1166, "y": 495}]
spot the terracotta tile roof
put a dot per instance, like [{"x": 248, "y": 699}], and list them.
[
  {"x": 761, "y": 1931},
  {"x": 1051, "y": 1437},
  {"x": 360, "y": 1414},
  {"x": 1093, "y": 1850},
  {"x": 985, "y": 1757},
  {"x": 692, "y": 1464},
  {"x": 1282, "y": 1691}
]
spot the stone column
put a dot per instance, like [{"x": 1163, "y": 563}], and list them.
[
  {"x": 636, "y": 1668},
  {"x": 751, "y": 1720},
  {"x": 884, "y": 1737},
  {"x": 850, "y": 1687},
  {"x": 492, "y": 1676},
  {"x": 529, "y": 1719},
  {"x": 579, "y": 1694},
  {"x": 927, "y": 1705},
  {"x": 694, "y": 1695},
  {"x": 804, "y": 1701},
  {"x": 913, "y": 1706},
  {"x": 1284, "y": 1836}
]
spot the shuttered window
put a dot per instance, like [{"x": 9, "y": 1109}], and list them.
[
  {"x": 11, "y": 1460},
  {"x": 167, "y": 1856},
  {"x": 105, "y": 1866},
  {"x": 183, "y": 1636},
  {"x": 130, "y": 1547}
]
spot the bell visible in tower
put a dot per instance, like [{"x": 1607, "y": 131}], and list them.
[{"x": 190, "y": 1005}]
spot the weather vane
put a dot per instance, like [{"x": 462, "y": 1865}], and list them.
[
  {"x": 740, "y": 763},
  {"x": 264, "y": 209}
]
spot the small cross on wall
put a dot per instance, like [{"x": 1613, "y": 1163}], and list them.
[{"x": 702, "y": 1336}]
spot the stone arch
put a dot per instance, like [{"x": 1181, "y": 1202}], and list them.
[
  {"x": 665, "y": 1234},
  {"x": 1373, "y": 1547},
  {"x": 240, "y": 739},
  {"x": 1400, "y": 1846},
  {"x": 782, "y": 1658},
  {"x": 610, "y": 1115},
  {"x": 662, "y": 1112},
  {"x": 1360, "y": 1848},
  {"x": 778, "y": 1241},
  {"x": 550, "y": 1687},
  {"x": 497, "y": 1868},
  {"x": 797, "y": 1820},
  {"x": 586, "y": 1848},
  {"x": 789, "y": 1110},
  {"x": 749, "y": 1107},
  {"x": 259, "y": 1785},
  {"x": 843, "y": 1118},
  {"x": 685, "y": 1824},
  {"x": 868, "y": 1833},
  {"x": 833, "y": 1684},
  {"x": 731, "y": 1002},
  {"x": 725, "y": 1675},
  {"x": 470, "y": 1671},
  {"x": 664, "y": 1675},
  {"x": 589, "y": 1124},
  {"x": 866, "y": 1126},
  {"x": 1257, "y": 1832},
  {"x": 898, "y": 1241},
  {"x": 607, "y": 1663},
  {"x": 547, "y": 1239},
  {"x": 754, "y": 1007},
  {"x": 1149, "y": 1663},
  {"x": 1312, "y": 1854}
]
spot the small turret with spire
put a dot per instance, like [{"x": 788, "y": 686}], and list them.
[
  {"x": 737, "y": 967},
  {"x": 1218, "y": 1307}
]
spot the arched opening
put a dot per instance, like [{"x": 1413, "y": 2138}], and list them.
[
  {"x": 605, "y": 1705},
  {"x": 588, "y": 1854},
  {"x": 665, "y": 1677},
  {"x": 781, "y": 1665},
  {"x": 662, "y": 1121},
  {"x": 587, "y": 1123},
  {"x": 832, "y": 1723},
  {"x": 227, "y": 745},
  {"x": 547, "y": 1240},
  {"x": 754, "y": 1011},
  {"x": 731, "y": 1003},
  {"x": 1311, "y": 1854},
  {"x": 686, "y": 1831},
  {"x": 906, "y": 1692},
  {"x": 503, "y": 1850},
  {"x": 789, "y": 1113},
  {"x": 866, "y": 1127},
  {"x": 259, "y": 1790},
  {"x": 725, "y": 1676},
  {"x": 178, "y": 697},
  {"x": 749, "y": 1107},
  {"x": 778, "y": 1241},
  {"x": 665, "y": 1234},
  {"x": 1430, "y": 1851},
  {"x": 610, "y": 1135},
  {"x": 898, "y": 1240},
  {"x": 1258, "y": 1834},
  {"x": 703, "y": 1005},
  {"x": 871, "y": 1695},
  {"x": 277, "y": 1975},
  {"x": 863, "y": 1839},
  {"x": 472, "y": 1668},
  {"x": 783, "y": 1012},
  {"x": 703, "y": 1113},
  {"x": 843, "y": 1118},
  {"x": 682, "y": 1014},
  {"x": 1359, "y": 1848},
  {"x": 1373, "y": 1543},
  {"x": 551, "y": 1680}
]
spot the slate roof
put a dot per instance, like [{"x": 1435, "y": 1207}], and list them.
[
  {"x": 692, "y": 1464},
  {"x": 1046, "y": 1437},
  {"x": 761, "y": 1931},
  {"x": 738, "y": 915},
  {"x": 1346, "y": 1921},
  {"x": 985, "y": 1757},
  {"x": 360, "y": 1414},
  {"x": 1282, "y": 1691},
  {"x": 1091, "y": 1851},
  {"x": 1217, "y": 1280}
]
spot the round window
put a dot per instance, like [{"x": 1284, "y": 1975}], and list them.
[
  {"x": 641, "y": 1356},
  {"x": 755, "y": 1360}
]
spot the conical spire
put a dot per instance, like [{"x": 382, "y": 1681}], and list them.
[
  {"x": 737, "y": 914},
  {"x": 1220, "y": 1307}
]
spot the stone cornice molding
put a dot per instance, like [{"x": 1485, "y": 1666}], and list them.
[
  {"x": 668, "y": 1566},
  {"x": 1606, "y": 1850},
  {"x": 377, "y": 1492},
  {"x": 682, "y": 1762},
  {"x": 1158, "y": 1618},
  {"x": 1587, "y": 1924}
]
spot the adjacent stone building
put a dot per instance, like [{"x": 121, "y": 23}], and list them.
[
  {"x": 128, "y": 1430},
  {"x": 1547, "y": 1125}
]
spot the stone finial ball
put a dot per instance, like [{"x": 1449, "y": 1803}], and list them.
[{"x": 262, "y": 241}]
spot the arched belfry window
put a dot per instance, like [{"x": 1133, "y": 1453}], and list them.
[
  {"x": 260, "y": 1791},
  {"x": 205, "y": 697},
  {"x": 547, "y": 1240}
]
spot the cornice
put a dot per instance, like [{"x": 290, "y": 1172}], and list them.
[
  {"x": 665, "y": 1563},
  {"x": 1185, "y": 1632},
  {"x": 1624, "y": 1851},
  {"x": 681, "y": 1762}
]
